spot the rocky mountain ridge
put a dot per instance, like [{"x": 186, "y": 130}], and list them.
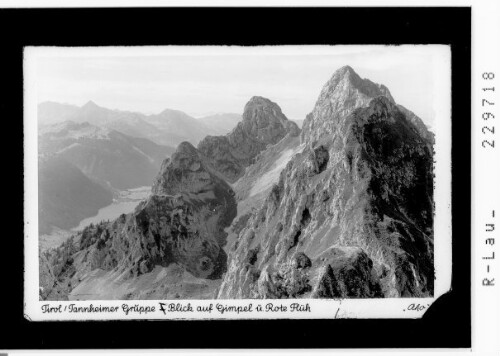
[
  {"x": 107, "y": 156},
  {"x": 341, "y": 95},
  {"x": 263, "y": 125},
  {"x": 344, "y": 221},
  {"x": 182, "y": 222},
  {"x": 221, "y": 123},
  {"x": 66, "y": 195},
  {"x": 345, "y": 213}
]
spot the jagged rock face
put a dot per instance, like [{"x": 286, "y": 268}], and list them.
[
  {"x": 357, "y": 202},
  {"x": 263, "y": 124},
  {"x": 46, "y": 276},
  {"x": 340, "y": 96},
  {"x": 56, "y": 271},
  {"x": 181, "y": 222},
  {"x": 187, "y": 173}
]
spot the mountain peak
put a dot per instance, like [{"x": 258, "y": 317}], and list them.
[
  {"x": 90, "y": 105},
  {"x": 186, "y": 147},
  {"x": 343, "y": 176},
  {"x": 259, "y": 103},
  {"x": 342, "y": 93},
  {"x": 345, "y": 69},
  {"x": 187, "y": 172}
]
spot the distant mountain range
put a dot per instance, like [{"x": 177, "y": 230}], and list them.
[{"x": 170, "y": 127}]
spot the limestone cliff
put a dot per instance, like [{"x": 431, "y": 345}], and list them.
[
  {"x": 182, "y": 222},
  {"x": 263, "y": 124},
  {"x": 340, "y": 96},
  {"x": 352, "y": 214}
]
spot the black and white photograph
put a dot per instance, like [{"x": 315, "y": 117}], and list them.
[
  {"x": 275, "y": 177},
  {"x": 230, "y": 173}
]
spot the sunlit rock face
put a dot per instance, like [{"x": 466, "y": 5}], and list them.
[
  {"x": 263, "y": 124},
  {"x": 347, "y": 212},
  {"x": 182, "y": 222},
  {"x": 352, "y": 214}
]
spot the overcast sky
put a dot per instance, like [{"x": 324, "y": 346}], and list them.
[{"x": 206, "y": 80}]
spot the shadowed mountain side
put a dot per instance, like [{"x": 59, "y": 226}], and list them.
[
  {"x": 263, "y": 125},
  {"x": 221, "y": 123}
]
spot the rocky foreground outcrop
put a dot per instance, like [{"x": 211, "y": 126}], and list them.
[
  {"x": 352, "y": 214},
  {"x": 263, "y": 124},
  {"x": 182, "y": 222}
]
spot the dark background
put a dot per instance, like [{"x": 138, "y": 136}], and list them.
[{"x": 445, "y": 324}]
